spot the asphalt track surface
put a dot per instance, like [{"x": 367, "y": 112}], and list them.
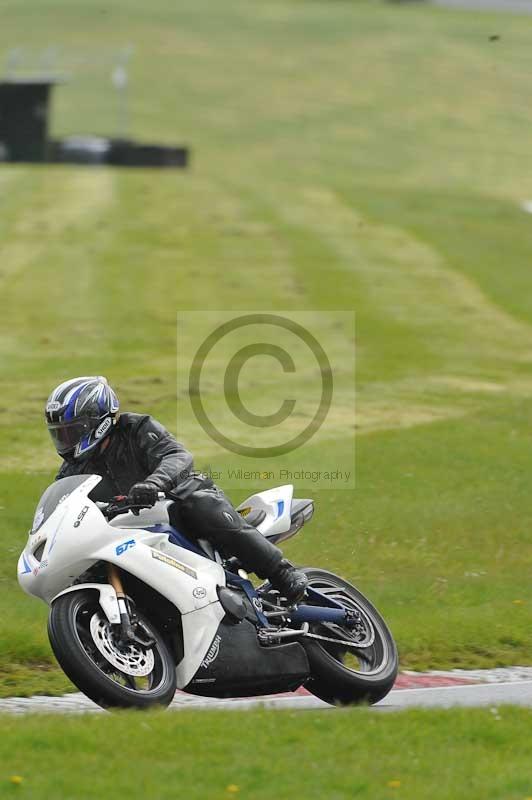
[{"x": 491, "y": 688}]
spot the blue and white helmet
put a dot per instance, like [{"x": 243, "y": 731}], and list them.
[{"x": 80, "y": 413}]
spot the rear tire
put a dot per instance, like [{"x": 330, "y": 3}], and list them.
[
  {"x": 376, "y": 668},
  {"x": 128, "y": 678}
]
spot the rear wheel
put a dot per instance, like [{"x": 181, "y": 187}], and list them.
[
  {"x": 349, "y": 666},
  {"x": 86, "y": 646}
]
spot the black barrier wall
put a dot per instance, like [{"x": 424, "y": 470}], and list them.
[{"x": 24, "y": 114}]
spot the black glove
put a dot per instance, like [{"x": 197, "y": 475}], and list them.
[{"x": 143, "y": 494}]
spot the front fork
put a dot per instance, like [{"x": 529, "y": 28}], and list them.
[{"x": 125, "y": 628}]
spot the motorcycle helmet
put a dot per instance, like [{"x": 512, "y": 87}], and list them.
[{"x": 80, "y": 413}]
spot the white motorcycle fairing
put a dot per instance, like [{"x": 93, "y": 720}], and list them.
[
  {"x": 276, "y": 513},
  {"x": 76, "y": 535},
  {"x": 277, "y": 506},
  {"x": 138, "y": 610}
]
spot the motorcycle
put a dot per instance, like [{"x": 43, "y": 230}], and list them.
[{"x": 138, "y": 610}]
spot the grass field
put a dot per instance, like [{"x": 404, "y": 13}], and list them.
[
  {"x": 347, "y": 156},
  {"x": 481, "y": 754}
]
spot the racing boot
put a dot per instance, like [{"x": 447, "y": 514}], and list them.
[{"x": 289, "y": 581}]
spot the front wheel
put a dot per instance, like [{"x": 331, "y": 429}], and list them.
[
  {"x": 349, "y": 666},
  {"x": 85, "y": 644}
]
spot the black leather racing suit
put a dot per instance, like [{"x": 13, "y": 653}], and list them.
[{"x": 140, "y": 449}]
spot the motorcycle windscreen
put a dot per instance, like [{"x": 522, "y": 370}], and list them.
[{"x": 55, "y": 494}]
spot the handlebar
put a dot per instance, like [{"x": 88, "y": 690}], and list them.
[{"x": 119, "y": 505}]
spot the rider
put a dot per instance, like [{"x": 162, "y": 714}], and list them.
[{"x": 136, "y": 456}]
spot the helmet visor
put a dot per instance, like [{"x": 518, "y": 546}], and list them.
[{"x": 67, "y": 435}]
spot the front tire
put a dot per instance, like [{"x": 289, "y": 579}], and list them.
[
  {"x": 344, "y": 674},
  {"x": 85, "y": 646}
]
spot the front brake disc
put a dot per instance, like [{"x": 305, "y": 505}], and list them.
[{"x": 130, "y": 659}]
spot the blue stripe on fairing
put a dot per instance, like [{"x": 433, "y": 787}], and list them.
[
  {"x": 69, "y": 413},
  {"x": 26, "y": 565},
  {"x": 175, "y": 537},
  {"x": 280, "y": 508}
]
